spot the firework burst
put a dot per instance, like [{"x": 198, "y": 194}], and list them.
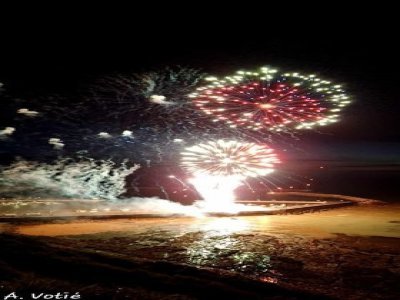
[
  {"x": 152, "y": 98},
  {"x": 219, "y": 167},
  {"x": 144, "y": 116},
  {"x": 269, "y": 100},
  {"x": 229, "y": 158}
]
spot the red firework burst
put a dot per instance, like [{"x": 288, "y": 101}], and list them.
[{"x": 257, "y": 101}]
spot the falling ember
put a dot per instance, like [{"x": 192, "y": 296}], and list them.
[
  {"x": 219, "y": 167},
  {"x": 270, "y": 100}
]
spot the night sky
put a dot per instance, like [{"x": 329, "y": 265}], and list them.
[
  {"x": 62, "y": 57},
  {"x": 63, "y": 51}
]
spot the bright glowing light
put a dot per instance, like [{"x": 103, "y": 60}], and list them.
[
  {"x": 266, "y": 106},
  {"x": 7, "y": 131},
  {"x": 57, "y": 143},
  {"x": 159, "y": 99},
  {"x": 270, "y": 100},
  {"x": 104, "y": 135},
  {"x": 27, "y": 112},
  {"x": 127, "y": 133},
  {"x": 219, "y": 167},
  {"x": 217, "y": 191},
  {"x": 224, "y": 226}
]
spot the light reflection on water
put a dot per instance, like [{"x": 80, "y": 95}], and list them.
[
  {"x": 302, "y": 250},
  {"x": 225, "y": 226},
  {"x": 220, "y": 245}
]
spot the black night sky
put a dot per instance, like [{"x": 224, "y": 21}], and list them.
[{"x": 54, "y": 57}]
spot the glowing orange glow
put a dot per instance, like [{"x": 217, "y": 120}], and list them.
[{"x": 266, "y": 106}]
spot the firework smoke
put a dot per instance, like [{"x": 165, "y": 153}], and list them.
[{"x": 66, "y": 178}]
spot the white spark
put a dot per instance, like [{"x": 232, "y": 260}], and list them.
[
  {"x": 104, "y": 135},
  {"x": 7, "y": 131},
  {"x": 27, "y": 112},
  {"x": 127, "y": 133},
  {"x": 57, "y": 143},
  {"x": 159, "y": 99}
]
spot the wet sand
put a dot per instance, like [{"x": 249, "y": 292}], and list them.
[{"x": 367, "y": 220}]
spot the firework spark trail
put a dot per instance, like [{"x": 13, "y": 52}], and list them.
[{"x": 269, "y": 100}]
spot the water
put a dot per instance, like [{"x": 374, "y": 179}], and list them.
[{"x": 375, "y": 184}]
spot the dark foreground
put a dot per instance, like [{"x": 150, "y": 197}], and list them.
[
  {"x": 347, "y": 253},
  {"x": 51, "y": 267}
]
